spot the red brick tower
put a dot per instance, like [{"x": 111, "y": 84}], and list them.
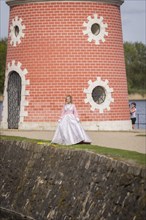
[{"x": 56, "y": 48}]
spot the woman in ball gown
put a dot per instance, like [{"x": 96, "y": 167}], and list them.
[{"x": 69, "y": 130}]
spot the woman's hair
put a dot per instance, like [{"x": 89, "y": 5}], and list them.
[
  {"x": 69, "y": 97},
  {"x": 133, "y": 103}
]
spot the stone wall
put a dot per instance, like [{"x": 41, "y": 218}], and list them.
[
  {"x": 137, "y": 96},
  {"x": 50, "y": 183}
]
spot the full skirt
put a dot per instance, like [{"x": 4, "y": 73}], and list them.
[{"x": 69, "y": 132}]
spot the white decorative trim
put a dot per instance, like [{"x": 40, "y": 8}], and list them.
[
  {"x": 116, "y": 125},
  {"x": 16, "y": 39},
  {"x": 17, "y": 68},
  {"x": 50, "y": 126},
  {"x": 102, "y": 33},
  {"x": 108, "y": 98}
]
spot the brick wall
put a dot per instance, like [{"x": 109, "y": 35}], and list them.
[{"x": 61, "y": 61}]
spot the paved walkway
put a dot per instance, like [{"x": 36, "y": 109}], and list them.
[{"x": 128, "y": 140}]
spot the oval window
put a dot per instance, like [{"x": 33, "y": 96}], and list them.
[
  {"x": 95, "y": 29},
  {"x": 16, "y": 30},
  {"x": 98, "y": 94}
]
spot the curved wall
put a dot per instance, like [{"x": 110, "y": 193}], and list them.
[{"x": 61, "y": 58}]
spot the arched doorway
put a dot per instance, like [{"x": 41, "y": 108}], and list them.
[{"x": 14, "y": 100}]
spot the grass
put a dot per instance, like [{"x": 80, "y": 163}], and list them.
[
  {"x": 118, "y": 154},
  {"x": 16, "y": 138}
]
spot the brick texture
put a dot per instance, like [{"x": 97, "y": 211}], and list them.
[{"x": 61, "y": 61}]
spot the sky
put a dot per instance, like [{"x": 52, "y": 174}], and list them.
[{"x": 133, "y": 13}]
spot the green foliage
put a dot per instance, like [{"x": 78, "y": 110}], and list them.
[
  {"x": 135, "y": 58},
  {"x": 3, "y": 50}
]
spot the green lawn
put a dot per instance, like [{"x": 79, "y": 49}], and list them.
[
  {"x": 118, "y": 154},
  {"x": 15, "y": 138}
]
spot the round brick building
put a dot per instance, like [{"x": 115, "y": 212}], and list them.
[{"x": 56, "y": 48}]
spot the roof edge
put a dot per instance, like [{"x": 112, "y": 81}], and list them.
[{"x": 19, "y": 2}]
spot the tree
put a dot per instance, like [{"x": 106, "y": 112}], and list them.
[
  {"x": 3, "y": 51},
  {"x": 135, "y": 58}
]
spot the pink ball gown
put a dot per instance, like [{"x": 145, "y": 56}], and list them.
[{"x": 69, "y": 130}]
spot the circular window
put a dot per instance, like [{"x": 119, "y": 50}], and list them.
[
  {"x": 98, "y": 94},
  {"x": 16, "y": 30},
  {"x": 95, "y": 29}
]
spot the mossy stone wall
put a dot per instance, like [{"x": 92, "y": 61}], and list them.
[{"x": 57, "y": 184}]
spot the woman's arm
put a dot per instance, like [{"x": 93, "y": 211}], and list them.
[
  {"x": 132, "y": 110},
  {"x": 75, "y": 113}
]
